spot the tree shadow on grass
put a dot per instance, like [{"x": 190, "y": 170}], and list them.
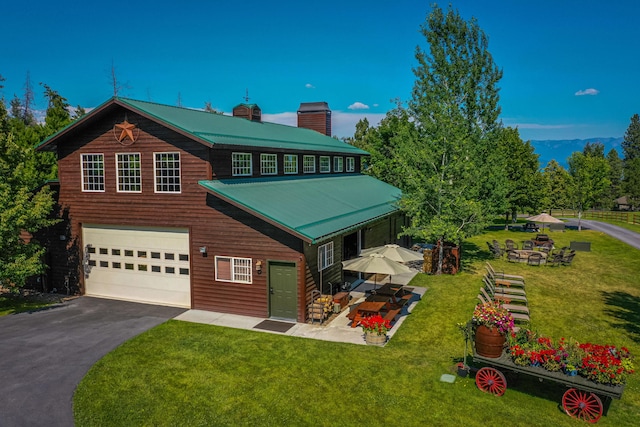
[
  {"x": 626, "y": 309},
  {"x": 471, "y": 254}
]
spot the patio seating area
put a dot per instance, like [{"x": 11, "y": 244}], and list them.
[{"x": 535, "y": 252}]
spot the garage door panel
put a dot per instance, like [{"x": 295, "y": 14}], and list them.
[{"x": 145, "y": 265}]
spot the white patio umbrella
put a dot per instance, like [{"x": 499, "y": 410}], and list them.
[
  {"x": 544, "y": 218},
  {"x": 375, "y": 264},
  {"x": 395, "y": 253}
]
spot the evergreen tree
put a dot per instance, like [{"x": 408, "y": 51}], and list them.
[
  {"x": 631, "y": 150},
  {"x": 590, "y": 172},
  {"x": 558, "y": 187}
]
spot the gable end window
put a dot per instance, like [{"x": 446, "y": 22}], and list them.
[
  {"x": 325, "y": 164},
  {"x": 231, "y": 269},
  {"x": 325, "y": 256},
  {"x": 337, "y": 164},
  {"x": 290, "y": 163},
  {"x": 351, "y": 164},
  {"x": 166, "y": 170},
  {"x": 309, "y": 164},
  {"x": 92, "y": 166},
  {"x": 241, "y": 164},
  {"x": 268, "y": 164},
  {"x": 129, "y": 173}
]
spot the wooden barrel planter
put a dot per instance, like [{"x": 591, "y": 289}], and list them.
[{"x": 489, "y": 342}]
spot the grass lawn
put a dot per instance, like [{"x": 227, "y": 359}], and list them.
[
  {"x": 183, "y": 374},
  {"x": 18, "y": 303}
]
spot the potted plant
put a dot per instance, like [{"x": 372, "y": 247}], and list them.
[
  {"x": 492, "y": 323},
  {"x": 375, "y": 329}
]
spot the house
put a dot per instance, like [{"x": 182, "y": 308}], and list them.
[{"x": 173, "y": 206}]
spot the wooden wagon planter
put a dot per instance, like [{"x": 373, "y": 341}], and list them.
[{"x": 583, "y": 399}]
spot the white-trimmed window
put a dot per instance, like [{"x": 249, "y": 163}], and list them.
[
  {"x": 241, "y": 164},
  {"x": 309, "y": 164},
  {"x": 166, "y": 170},
  {"x": 325, "y": 164},
  {"x": 338, "y": 164},
  {"x": 92, "y": 166},
  {"x": 351, "y": 164},
  {"x": 268, "y": 164},
  {"x": 129, "y": 172},
  {"x": 290, "y": 163},
  {"x": 325, "y": 256},
  {"x": 232, "y": 269}
]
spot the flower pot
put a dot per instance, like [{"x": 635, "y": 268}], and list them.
[
  {"x": 489, "y": 342},
  {"x": 375, "y": 339}
]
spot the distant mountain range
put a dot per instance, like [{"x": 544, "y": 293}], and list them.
[{"x": 561, "y": 149}]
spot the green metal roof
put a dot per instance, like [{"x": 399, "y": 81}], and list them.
[
  {"x": 218, "y": 129},
  {"x": 227, "y": 130},
  {"x": 314, "y": 208}
]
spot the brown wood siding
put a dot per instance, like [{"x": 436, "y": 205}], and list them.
[
  {"x": 332, "y": 274},
  {"x": 320, "y": 122},
  {"x": 224, "y": 229}
]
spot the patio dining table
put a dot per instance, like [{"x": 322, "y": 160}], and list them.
[{"x": 365, "y": 309}]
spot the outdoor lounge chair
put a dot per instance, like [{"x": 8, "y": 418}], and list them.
[
  {"x": 501, "y": 274},
  {"x": 513, "y": 308},
  {"x": 568, "y": 259},
  {"x": 503, "y": 289},
  {"x": 517, "y": 317},
  {"x": 535, "y": 258},
  {"x": 505, "y": 282},
  {"x": 503, "y": 296}
]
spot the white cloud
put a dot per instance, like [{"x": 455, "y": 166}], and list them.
[
  {"x": 286, "y": 118},
  {"x": 590, "y": 91},
  {"x": 376, "y": 105},
  {"x": 309, "y": 86},
  {"x": 358, "y": 106}
]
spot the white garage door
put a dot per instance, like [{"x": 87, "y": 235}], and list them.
[{"x": 137, "y": 264}]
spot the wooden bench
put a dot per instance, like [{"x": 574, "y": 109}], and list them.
[{"x": 391, "y": 314}]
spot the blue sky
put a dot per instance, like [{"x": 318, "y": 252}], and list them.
[{"x": 571, "y": 67}]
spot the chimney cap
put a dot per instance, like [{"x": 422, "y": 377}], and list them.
[{"x": 306, "y": 107}]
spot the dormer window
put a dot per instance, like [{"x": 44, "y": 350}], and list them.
[
  {"x": 337, "y": 164},
  {"x": 268, "y": 164},
  {"x": 241, "y": 164},
  {"x": 325, "y": 164}
]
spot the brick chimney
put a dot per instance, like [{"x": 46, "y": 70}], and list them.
[
  {"x": 316, "y": 116},
  {"x": 248, "y": 111}
]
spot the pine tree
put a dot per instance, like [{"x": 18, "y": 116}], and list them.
[{"x": 631, "y": 150}]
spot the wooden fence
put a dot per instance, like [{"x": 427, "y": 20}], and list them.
[{"x": 628, "y": 217}]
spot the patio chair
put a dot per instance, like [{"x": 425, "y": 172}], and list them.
[
  {"x": 546, "y": 248},
  {"x": 500, "y": 289},
  {"x": 501, "y": 274},
  {"x": 517, "y": 317},
  {"x": 501, "y": 281},
  {"x": 513, "y": 256},
  {"x": 496, "y": 252},
  {"x": 497, "y": 246},
  {"x": 527, "y": 245},
  {"x": 535, "y": 258},
  {"x": 510, "y": 245},
  {"x": 568, "y": 259}
]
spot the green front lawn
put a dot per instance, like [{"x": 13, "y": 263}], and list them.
[{"x": 183, "y": 374}]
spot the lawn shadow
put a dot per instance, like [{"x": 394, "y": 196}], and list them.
[
  {"x": 626, "y": 309},
  {"x": 471, "y": 254}
]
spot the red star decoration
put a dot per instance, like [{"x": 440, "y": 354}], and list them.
[{"x": 126, "y": 131}]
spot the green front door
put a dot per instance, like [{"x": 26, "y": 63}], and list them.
[{"x": 283, "y": 290}]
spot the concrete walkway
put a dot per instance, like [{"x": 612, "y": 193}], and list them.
[
  {"x": 337, "y": 330},
  {"x": 627, "y": 236}
]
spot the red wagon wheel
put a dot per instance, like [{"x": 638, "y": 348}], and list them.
[
  {"x": 492, "y": 381},
  {"x": 582, "y": 405}
]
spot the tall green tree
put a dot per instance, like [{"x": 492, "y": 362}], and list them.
[
  {"x": 558, "y": 187},
  {"x": 455, "y": 178},
  {"x": 22, "y": 208},
  {"x": 631, "y": 150},
  {"x": 615, "y": 177},
  {"x": 590, "y": 172},
  {"x": 524, "y": 179}
]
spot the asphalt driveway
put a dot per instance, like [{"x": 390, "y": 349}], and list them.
[{"x": 45, "y": 354}]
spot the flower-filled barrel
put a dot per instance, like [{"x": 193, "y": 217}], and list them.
[{"x": 492, "y": 324}]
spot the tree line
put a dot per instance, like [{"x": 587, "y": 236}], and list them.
[{"x": 458, "y": 166}]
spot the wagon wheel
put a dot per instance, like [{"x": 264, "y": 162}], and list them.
[
  {"x": 492, "y": 381},
  {"x": 583, "y": 405}
]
